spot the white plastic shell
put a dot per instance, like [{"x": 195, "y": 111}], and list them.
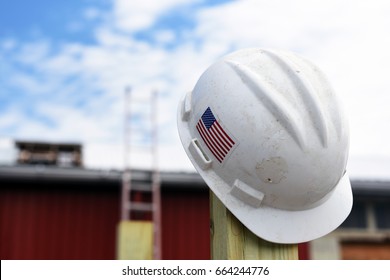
[{"x": 283, "y": 172}]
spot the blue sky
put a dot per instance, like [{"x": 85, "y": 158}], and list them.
[
  {"x": 61, "y": 21},
  {"x": 64, "y": 65}
]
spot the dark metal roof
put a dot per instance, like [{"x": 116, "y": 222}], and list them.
[
  {"x": 371, "y": 187},
  {"x": 36, "y": 173},
  {"x": 46, "y": 172}
]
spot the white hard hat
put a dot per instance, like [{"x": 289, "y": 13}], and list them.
[{"x": 266, "y": 132}]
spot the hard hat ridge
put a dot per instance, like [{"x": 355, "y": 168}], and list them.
[
  {"x": 272, "y": 101},
  {"x": 302, "y": 92},
  {"x": 309, "y": 95}
]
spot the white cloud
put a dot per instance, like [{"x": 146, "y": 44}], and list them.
[
  {"x": 133, "y": 16},
  {"x": 8, "y": 152},
  {"x": 106, "y": 155},
  {"x": 10, "y": 118}
]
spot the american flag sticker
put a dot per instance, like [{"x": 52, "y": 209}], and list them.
[{"x": 216, "y": 138}]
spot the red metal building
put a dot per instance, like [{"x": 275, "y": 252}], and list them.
[
  {"x": 70, "y": 213},
  {"x": 49, "y": 212}
]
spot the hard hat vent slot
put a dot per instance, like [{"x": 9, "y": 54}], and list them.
[
  {"x": 247, "y": 194},
  {"x": 199, "y": 155},
  {"x": 186, "y": 107}
]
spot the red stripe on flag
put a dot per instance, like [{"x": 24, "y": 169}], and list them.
[
  {"x": 229, "y": 140},
  {"x": 202, "y": 131},
  {"x": 220, "y": 141},
  {"x": 211, "y": 142},
  {"x": 216, "y": 143}
]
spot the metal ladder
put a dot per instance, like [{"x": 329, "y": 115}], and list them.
[{"x": 141, "y": 197}]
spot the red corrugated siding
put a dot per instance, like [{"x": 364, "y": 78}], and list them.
[
  {"x": 185, "y": 225},
  {"x": 80, "y": 223},
  {"x": 71, "y": 223}
]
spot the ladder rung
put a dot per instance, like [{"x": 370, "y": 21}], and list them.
[
  {"x": 139, "y": 187},
  {"x": 140, "y": 206},
  {"x": 143, "y": 187}
]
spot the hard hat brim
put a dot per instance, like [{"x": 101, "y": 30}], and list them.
[
  {"x": 272, "y": 224},
  {"x": 284, "y": 226}
]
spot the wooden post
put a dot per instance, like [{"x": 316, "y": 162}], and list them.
[{"x": 231, "y": 240}]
